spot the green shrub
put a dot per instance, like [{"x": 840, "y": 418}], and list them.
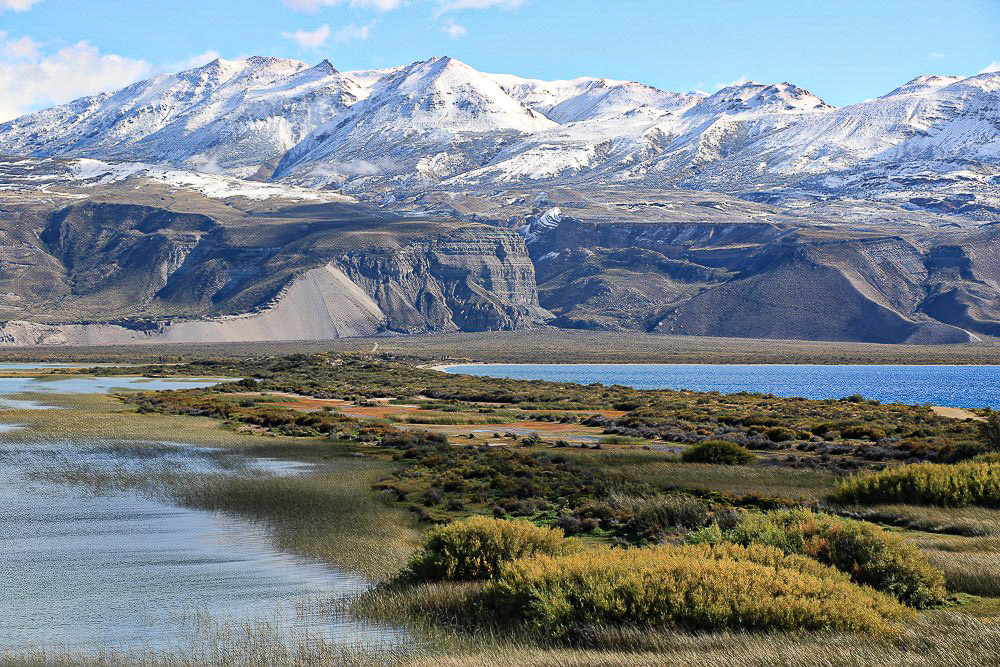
[
  {"x": 698, "y": 588},
  {"x": 869, "y": 554},
  {"x": 718, "y": 451},
  {"x": 989, "y": 432},
  {"x": 925, "y": 484},
  {"x": 862, "y": 432},
  {"x": 478, "y": 548},
  {"x": 961, "y": 452},
  {"x": 780, "y": 434},
  {"x": 654, "y": 517}
]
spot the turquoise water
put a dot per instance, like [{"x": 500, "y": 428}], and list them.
[{"x": 955, "y": 386}]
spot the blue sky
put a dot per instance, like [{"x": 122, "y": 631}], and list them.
[{"x": 842, "y": 50}]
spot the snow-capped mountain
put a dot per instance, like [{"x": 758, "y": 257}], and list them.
[
  {"x": 587, "y": 98},
  {"x": 229, "y": 115},
  {"x": 421, "y": 124},
  {"x": 440, "y": 123}
]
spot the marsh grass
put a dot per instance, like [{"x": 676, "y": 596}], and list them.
[
  {"x": 227, "y": 644},
  {"x": 970, "y": 521},
  {"x": 454, "y": 420},
  {"x": 969, "y": 563},
  {"x": 938, "y": 639},
  {"x": 332, "y": 514},
  {"x": 102, "y": 417},
  {"x": 665, "y": 472}
]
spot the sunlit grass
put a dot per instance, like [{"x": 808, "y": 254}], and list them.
[
  {"x": 101, "y": 417},
  {"x": 664, "y": 471},
  {"x": 331, "y": 514},
  {"x": 971, "y": 521}
]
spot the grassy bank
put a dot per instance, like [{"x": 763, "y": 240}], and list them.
[{"x": 545, "y": 346}]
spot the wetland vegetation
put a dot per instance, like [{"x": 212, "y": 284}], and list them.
[{"x": 527, "y": 522}]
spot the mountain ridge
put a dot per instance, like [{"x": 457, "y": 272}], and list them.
[{"x": 441, "y": 123}]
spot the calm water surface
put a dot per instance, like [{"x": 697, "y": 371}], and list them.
[
  {"x": 956, "y": 386},
  {"x": 82, "y": 570},
  {"x": 56, "y": 384},
  {"x": 89, "y": 567}
]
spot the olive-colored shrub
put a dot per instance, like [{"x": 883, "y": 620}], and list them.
[
  {"x": 718, "y": 451},
  {"x": 869, "y": 554},
  {"x": 479, "y": 548},
  {"x": 695, "y": 587},
  {"x": 989, "y": 432},
  {"x": 862, "y": 432}
]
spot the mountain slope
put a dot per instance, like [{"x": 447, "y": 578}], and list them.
[
  {"x": 420, "y": 124},
  {"x": 441, "y": 123},
  {"x": 230, "y": 115}
]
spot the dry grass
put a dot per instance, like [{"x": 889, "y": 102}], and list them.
[
  {"x": 970, "y": 521},
  {"x": 332, "y": 514},
  {"x": 101, "y": 417},
  {"x": 665, "y": 472},
  {"x": 547, "y": 345},
  {"x": 937, "y": 639}
]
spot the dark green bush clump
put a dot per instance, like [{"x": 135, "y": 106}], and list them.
[
  {"x": 989, "y": 432},
  {"x": 862, "y": 432},
  {"x": 718, "y": 451},
  {"x": 870, "y": 555},
  {"x": 479, "y": 548}
]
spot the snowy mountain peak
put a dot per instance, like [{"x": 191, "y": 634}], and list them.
[
  {"x": 441, "y": 123},
  {"x": 587, "y": 98},
  {"x": 446, "y": 92},
  {"x": 923, "y": 84},
  {"x": 325, "y": 66},
  {"x": 747, "y": 96}
]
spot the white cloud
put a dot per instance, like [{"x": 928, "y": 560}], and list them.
[
  {"x": 444, "y": 6},
  {"x": 936, "y": 55},
  {"x": 314, "y": 5},
  {"x": 453, "y": 29},
  {"x": 71, "y": 72},
  {"x": 23, "y": 48},
  {"x": 17, "y": 5},
  {"x": 738, "y": 82},
  {"x": 32, "y": 79},
  {"x": 192, "y": 62},
  {"x": 992, "y": 67},
  {"x": 353, "y": 32},
  {"x": 309, "y": 39}
]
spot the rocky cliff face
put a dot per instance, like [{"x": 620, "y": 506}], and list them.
[
  {"x": 764, "y": 280},
  {"x": 123, "y": 272},
  {"x": 478, "y": 279}
]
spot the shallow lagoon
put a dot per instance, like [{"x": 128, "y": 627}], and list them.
[
  {"x": 60, "y": 384},
  {"x": 85, "y": 570},
  {"x": 87, "y": 567}
]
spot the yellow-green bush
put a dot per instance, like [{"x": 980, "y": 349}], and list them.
[
  {"x": 925, "y": 484},
  {"x": 478, "y": 548},
  {"x": 870, "y": 555},
  {"x": 697, "y": 587}
]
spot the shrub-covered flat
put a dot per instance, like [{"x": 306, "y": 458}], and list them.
[{"x": 569, "y": 524}]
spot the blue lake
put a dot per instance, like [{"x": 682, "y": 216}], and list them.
[{"x": 955, "y": 386}]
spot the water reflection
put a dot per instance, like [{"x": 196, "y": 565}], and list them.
[{"x": 82, "y": 570}]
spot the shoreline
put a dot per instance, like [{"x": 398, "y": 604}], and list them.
[{"x": 444, "y": 367}]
